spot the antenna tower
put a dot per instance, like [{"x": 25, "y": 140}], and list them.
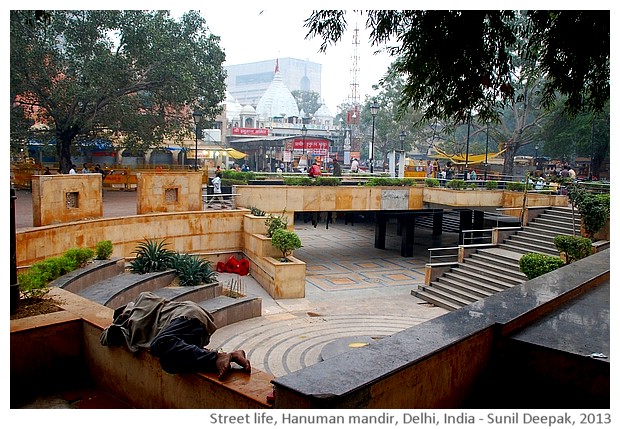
[{"x": 355, "y": 96}]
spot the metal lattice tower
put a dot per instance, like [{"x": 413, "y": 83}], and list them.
[{"x": 354, "y": 98}]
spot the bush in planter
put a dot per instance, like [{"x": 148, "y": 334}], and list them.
[
  {"x": 593, "y": 208},
  {"x": 192, "y": 269},
  {"x": 574, "y": 248},
  {"x": 79, "y": 255},
  {"x": 456, "y": 184},
  {"x": 257, "y": 212},
  {"x": 535, "y": 264},
  {"x": 33, "y": 283},
  {"x": 151, "y": 256},
  {"x": 241, "y": 176},
  {"x": 103, "y": 250},
  {"x": 491, "y": 184},
  {"x": 389, "y": 181},
  {"x": 431, "y": 182},
  {"x": 327, "y": 181},
  {"x": 286, "y": 241},
  {"x": 299, "y": 181},
  {"x": 274, "y": 223}
]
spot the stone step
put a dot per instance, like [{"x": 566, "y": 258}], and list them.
[
  {"x": 495, "y": 266},
  {"x": 482, "y": 274},
  {"x": 118, "y": 290},
  {"x": 531, "y": 247},
  {"x": 553, "y": 225},
  {"x": 190, "y": 293},
  {"x": 534, "y": 242},
  {"x": 502, "y": 255},
  {"x": 547, "y": 232},
  {"x": 436, "y": 299},
  {"x": 536, "y": 236},
  {"x": 227, "y": 310},
  {"x": 522, "y": 250},
  {"x": 455, "y": 287},
  {"x": 480, "y": 282},
  {"x": 561, "y": 216}
]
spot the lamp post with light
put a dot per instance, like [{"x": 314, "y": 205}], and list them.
[
  {"x": 374, "y": 108},
  {"x": 197, "y": 117}
]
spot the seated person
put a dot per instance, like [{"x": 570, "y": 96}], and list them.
[{"x": 176, "y": 332}]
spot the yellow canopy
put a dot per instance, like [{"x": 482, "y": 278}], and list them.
[
  {"x": 471, "y": 159},
  {"x": 233, "y": 153}
]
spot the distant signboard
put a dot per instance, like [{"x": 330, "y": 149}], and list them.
[{"x": 250, "y": 131}]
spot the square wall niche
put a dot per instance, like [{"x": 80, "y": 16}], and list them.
[
  {"x": 171, "y": 195},
  {"x": 72, "y": 200}
]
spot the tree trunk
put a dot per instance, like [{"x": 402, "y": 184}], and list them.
[
  {"x": 508, "y": 160},
  {"x": 64, "y": 138}
]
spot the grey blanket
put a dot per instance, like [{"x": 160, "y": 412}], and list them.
[{"x": 140, "y": 321}]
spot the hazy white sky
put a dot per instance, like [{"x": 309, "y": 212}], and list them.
[{"x": 276, "y": 31}]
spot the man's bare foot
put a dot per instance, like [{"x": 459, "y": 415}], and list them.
[
  {"x": 238, "y": 357},
  {"x": 222, "y": 363}
]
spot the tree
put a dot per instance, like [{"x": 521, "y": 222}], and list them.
[
  {"x": 308, "y": 101},
  {"x": 95, "y": 73},
  {"x": 456, "y": 62},
  {"x": 587, "y": 134}
]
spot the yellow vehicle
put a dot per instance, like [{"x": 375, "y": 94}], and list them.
[{"x": 415, "y": 168}]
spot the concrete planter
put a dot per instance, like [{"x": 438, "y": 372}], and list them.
[
  {"x": 465, "y": 198},
  {"x": 288, "y": 278}
]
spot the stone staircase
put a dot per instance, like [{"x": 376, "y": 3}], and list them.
[
  {"x": 493, "y": 269},
  {"x": 107, "y": 283}
]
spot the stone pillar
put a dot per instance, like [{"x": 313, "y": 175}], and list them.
[{"x": 380, "y": 230}]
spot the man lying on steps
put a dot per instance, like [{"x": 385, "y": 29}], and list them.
[{"x": 175, "y": 332}]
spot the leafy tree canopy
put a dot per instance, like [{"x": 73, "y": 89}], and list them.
[
  {"x": 94, "y": 72},
  {"x": 456, "y": 62},
  {"x": 308, "y": 101}
]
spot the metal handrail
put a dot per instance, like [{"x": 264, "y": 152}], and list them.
[
  {"x": 488, "y": 235},
  {"x": 443, "y": 249}
]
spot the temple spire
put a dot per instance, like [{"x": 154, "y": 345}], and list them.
[{"x": 277, "y": 70}]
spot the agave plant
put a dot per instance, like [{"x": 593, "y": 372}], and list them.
[
  {"x": 193, "y": 270},
  {"x": 151, "y": 256}
]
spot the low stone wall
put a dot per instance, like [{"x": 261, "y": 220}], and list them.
[
  {"x": 450, "y": 361},
  {"x": 46, "y": 358}
]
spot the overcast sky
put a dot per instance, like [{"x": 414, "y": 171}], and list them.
[{"x": 256, "y": 34}]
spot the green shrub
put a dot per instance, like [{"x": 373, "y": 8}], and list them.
[
  {"x": 535, "y": 264},
  {"x": 299, "y": 181},
  {"x": 456, "y": 184},
  {"x": 241, "y": 176},
  {"x": 151, "y": 256},
  {"x": 192, "y": 269},
  {"x": 33, "y": 283},
  {"x": 273, "y": 223},
  {"x": 80, "y": 255},
  {"x": 574, "y": 248},
  {"x": 327, "y": 181},
  {"x": 492, "y": 184},
  {"x": 593, "y": 208},
  {"x": 256, "y": 211},
  {"x": 431, "y": 183},
  {"x": 517, "y": 186},
  {"x": 390, "y": 181},
  {"x": 103, "y": 250},
  {"x": 286, "y": 241},
  {"x": 232, "y": 182}
]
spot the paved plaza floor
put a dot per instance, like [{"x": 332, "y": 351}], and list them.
[{"x": 353, "y": 291}]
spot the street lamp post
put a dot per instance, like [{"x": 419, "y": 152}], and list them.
[
  {"x": 197, "y": 117},
  {"x": 536, "y": 157},
  {"x": 401, "y": 166},
  {"x": 304, "y": 131},
  {"x": 374, "y": 108}
]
